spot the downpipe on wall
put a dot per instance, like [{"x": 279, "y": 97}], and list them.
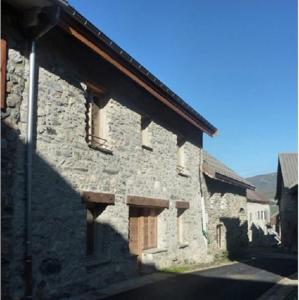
[
  {"x": 204, "y": 220},
  {"x": 35, "y": 29}
]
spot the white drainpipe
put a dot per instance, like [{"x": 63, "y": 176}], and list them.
[
  {"x": 29, "y": 144},
  {"x": 204, "y": 216}
]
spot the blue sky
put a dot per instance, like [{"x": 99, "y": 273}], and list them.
[{"x": 234, "y": 61}]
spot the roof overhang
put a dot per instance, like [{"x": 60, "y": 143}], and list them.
[
  {"x": 218, "y": 176},
  {"x": 72, "y": 22}
]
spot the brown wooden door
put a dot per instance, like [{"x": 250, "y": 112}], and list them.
[{"x": 134, "y": 231}]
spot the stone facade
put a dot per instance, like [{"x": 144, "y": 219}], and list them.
[
  {"x": 288, "y": 214},
  {"x": 227, "y": 216},
  {"x": 258, "y": 215},
  {"x": 64, "y": 165}
]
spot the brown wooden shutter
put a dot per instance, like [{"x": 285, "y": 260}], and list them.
[
  {"x": 145, "y": 219},
  {"x": 152, "y": 222},
  {"x": 95, "y": 117},
  {"x": 3, "y": 72},
  {"x": 134, "y": 231}
]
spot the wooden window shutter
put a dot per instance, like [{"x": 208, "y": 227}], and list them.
[
  {"x": 152, "y": 222},
  {"x": 95, "y": 122},
  {"x": 145, "y": 219},
  {"x": 134, "y": 231},
  {"x": 3, "y": 72}
]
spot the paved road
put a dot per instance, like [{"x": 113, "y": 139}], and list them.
[{"x": 247, "y": 280}]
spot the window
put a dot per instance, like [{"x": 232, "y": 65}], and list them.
[
  {"x": 146, "y": 139},
  {"x": 258, "y": 215},
  {"x": 265, "y": 214},
  {"x": 219, "y": 235},
  {"x": 180, "y": 225},
  {"x": 97, "y": 233},
  {"x": 90, "y": 231},
  {"x": 97, "y": 129},
  {"x": 242, "y": 214},
  {"x": 142, "y": 229},
  {"x": 3, "y": 72},
  {"x": 250, "y": 217},
  {"x": 181, "y": 159}
]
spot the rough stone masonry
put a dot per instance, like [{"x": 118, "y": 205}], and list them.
[{"x": 64, "y": 165}]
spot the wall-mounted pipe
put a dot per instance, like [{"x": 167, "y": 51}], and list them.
[
  {"x": 49, "y": 17},
  {"x": 29, "y": 145}
]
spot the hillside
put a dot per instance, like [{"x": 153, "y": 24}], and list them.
[{"x": 265, "y": 183}]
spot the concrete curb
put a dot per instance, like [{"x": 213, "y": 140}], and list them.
[{"x": 281, "y": 289}]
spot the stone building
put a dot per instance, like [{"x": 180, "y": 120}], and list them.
[
  {"x": 258, "y": 215},
  {"x": 100, "y": 160},
  {"x": 287, "y": 196},
  {"x": 225, "y": 203}
]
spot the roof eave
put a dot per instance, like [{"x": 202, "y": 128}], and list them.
[{"x": 80, "y": 28}]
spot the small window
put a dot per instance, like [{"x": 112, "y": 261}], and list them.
[
  {"x": 265, "y": 214},
  {"x": 242, "y": 214},
  {"x": 180, "y": 225},
  {"x": 181, "y": 158},
  {"x": 146, "y": 138},
  {"x": 97, "y": 129},
  {"x": 219, "y": 235},
  {"x": 258, "y": 215},
  {"x": 95, "y": 232}
]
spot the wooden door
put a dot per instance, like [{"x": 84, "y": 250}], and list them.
[{"x": 134, "y": 231}]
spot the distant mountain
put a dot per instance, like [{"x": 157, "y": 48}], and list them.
[{"x": 265, "y": 183}]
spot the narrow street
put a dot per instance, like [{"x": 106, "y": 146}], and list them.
[{"x": 248, "y": 279}]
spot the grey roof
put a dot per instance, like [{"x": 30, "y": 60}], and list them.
[
  {"x": 253, "y": 196},
  {"x": 218, "y": 170},
  {"x": 289, "y": 169}
]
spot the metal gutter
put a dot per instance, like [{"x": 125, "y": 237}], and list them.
[
  {"x": 38, "y": 31},
  {"x": 138, "y": 68}
]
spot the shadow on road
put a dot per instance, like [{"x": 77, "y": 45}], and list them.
[{"x": 239, "y": 281}]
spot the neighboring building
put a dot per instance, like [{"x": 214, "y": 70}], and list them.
[
  {"x": 258, "y": 215},
  {"x": 287, "y": 196},
  {"x": 115, "y": 158},
  {"x": 274, "y": 222},
  {"x": 225, "y": 201}
]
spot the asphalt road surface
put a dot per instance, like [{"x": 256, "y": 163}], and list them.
[{"x": 245, "y": 280}]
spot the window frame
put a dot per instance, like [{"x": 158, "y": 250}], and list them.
[
  {"x": 96, "y": 120},
  {"x": 180, "y": 225},
  {"x": 146, "y": 136},
  {"x": 181, "y": 160}
]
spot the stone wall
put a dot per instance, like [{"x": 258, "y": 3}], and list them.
[
  {"x": 64, "y": 165},
  {"x": 12, "y": 160},
  {"x": 257, "y": 229},
  {"x": 226, "y": 208},
  {"x": 288, "y": 213}
]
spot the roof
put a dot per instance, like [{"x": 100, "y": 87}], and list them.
[
  {"x": 217, "y": 170},
  {"x": 289, "y": 169},
  {"x": 253, "y": 196},
  {"x": 165, "y": 94}
]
